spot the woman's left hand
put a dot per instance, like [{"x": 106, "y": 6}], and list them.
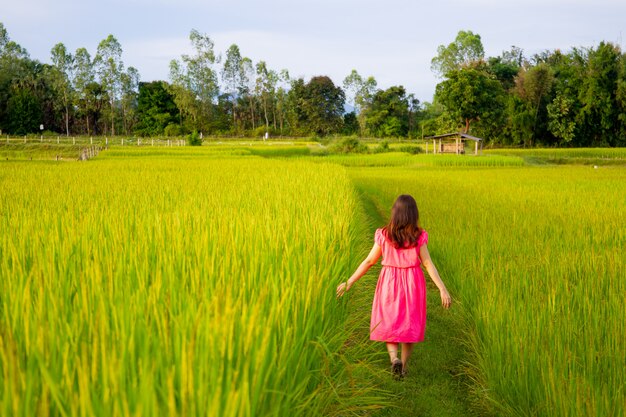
[{"x": 446, "y": 300}]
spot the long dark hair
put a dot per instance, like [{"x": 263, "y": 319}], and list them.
[{"x": 403, "y": 230}]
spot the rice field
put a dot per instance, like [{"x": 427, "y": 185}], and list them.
[
  {"x": 402, "y": 159},
  {"x": 583, "y": 156},
  {"x": 170, "y": 286},
  {"x": 201, "y": 281},
  {"x": 534, "y": 257}
]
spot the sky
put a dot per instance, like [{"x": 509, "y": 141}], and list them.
[{"x": 392, "y": 40}]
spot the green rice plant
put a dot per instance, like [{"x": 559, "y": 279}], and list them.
[
  {"x": 534, "y": 257},
  {"x": 136, "y": 284}
]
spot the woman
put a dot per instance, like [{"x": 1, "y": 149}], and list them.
[{"x": 399, "y": 305}]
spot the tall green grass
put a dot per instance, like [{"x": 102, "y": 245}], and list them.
[
  {"x": 171, "y": 286},
  {"x": 535, "y": 258}
]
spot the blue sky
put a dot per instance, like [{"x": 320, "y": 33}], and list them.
[{"x": 392, "y": 40}]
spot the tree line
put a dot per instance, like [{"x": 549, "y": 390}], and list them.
[{"x": 552, "y": 98}]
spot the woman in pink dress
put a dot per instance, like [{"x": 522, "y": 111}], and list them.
[{"x": 399, "y": 306}]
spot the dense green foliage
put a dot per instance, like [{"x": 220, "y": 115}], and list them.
[
  {"x": 553, "y": 98},
  {"x": 156, "y": 109}
]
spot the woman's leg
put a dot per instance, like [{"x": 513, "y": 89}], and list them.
[
  {"x": 392, "y": 348},
  {"x": 407, "y": 348}
]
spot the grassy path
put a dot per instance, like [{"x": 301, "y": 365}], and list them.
[{"x": 435, "y": 385}]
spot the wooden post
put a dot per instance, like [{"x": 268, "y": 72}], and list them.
[
  {"x": 476, "y": 148},
  {"x": 73, "y": 140},
  {"x": 91, "y": 140}
]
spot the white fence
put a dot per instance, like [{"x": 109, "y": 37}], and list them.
[{"x": 99, "y": 140}]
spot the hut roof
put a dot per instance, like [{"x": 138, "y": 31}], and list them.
[{"x": 453, "y": 135}]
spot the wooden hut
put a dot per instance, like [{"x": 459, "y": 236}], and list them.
[{"x": 454, "y": 143}]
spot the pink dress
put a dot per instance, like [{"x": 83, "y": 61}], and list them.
[{"x": 399, "y": 306}]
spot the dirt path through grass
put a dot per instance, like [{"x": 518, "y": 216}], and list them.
[{"x": 435, "y": 385}]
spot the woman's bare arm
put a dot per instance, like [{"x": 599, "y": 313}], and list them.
[
  {"x": 434, "y": 275},
  {"x": 370, "y": 261}
]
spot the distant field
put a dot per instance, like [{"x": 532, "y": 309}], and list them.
[{"x": 586, "y": 156}]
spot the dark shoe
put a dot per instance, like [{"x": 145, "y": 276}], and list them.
[{"x": 396, "y": 369}]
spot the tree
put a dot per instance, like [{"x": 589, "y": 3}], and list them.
[
  {"x": 296, "y": 115},
  {"x": 95, "y": 97},
  {"x": 414, "y": 111},
  {"x": 248, "y": 83},
  {"x": 194, "y": 80},
  {"x": 534, "y": 86},
  {"x": 621, "y": 101},
  {"x": 350, "y": 124},
  {"x": 14, "y": 66},
  {"x": 156, "y": 108},
  {"x": 8, "y": 48},
  {"x": 184, "y": 97},
  {"x": 109, "y": 67},
  {"x": 466, "y": 49},
  {"x": 561, "y": 122},
  {"x": 388, "y": 115},
  {"x": 233, "y": 77},
  {"x": 506, "y": 66},
  {"x": 83, "y": 76},
  {"x": 63, "y": 76},
  {"x": 598, "y": 96},
  {"x": 24, "y": 110},
  {"x": 321, "y": 104},
  {"x": 129, "y": 83},
  {"x": 469, "y": 94},
  {"x": 265, "y": 86},
  {"x": 281, "y": 97},
  {"x": 352, "y": 86},
  {"x": 360, "y": 91}
]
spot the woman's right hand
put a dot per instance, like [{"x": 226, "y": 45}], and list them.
[
  {"x": 445, "y": 298},
  {"x": 343, "y": 287}
]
